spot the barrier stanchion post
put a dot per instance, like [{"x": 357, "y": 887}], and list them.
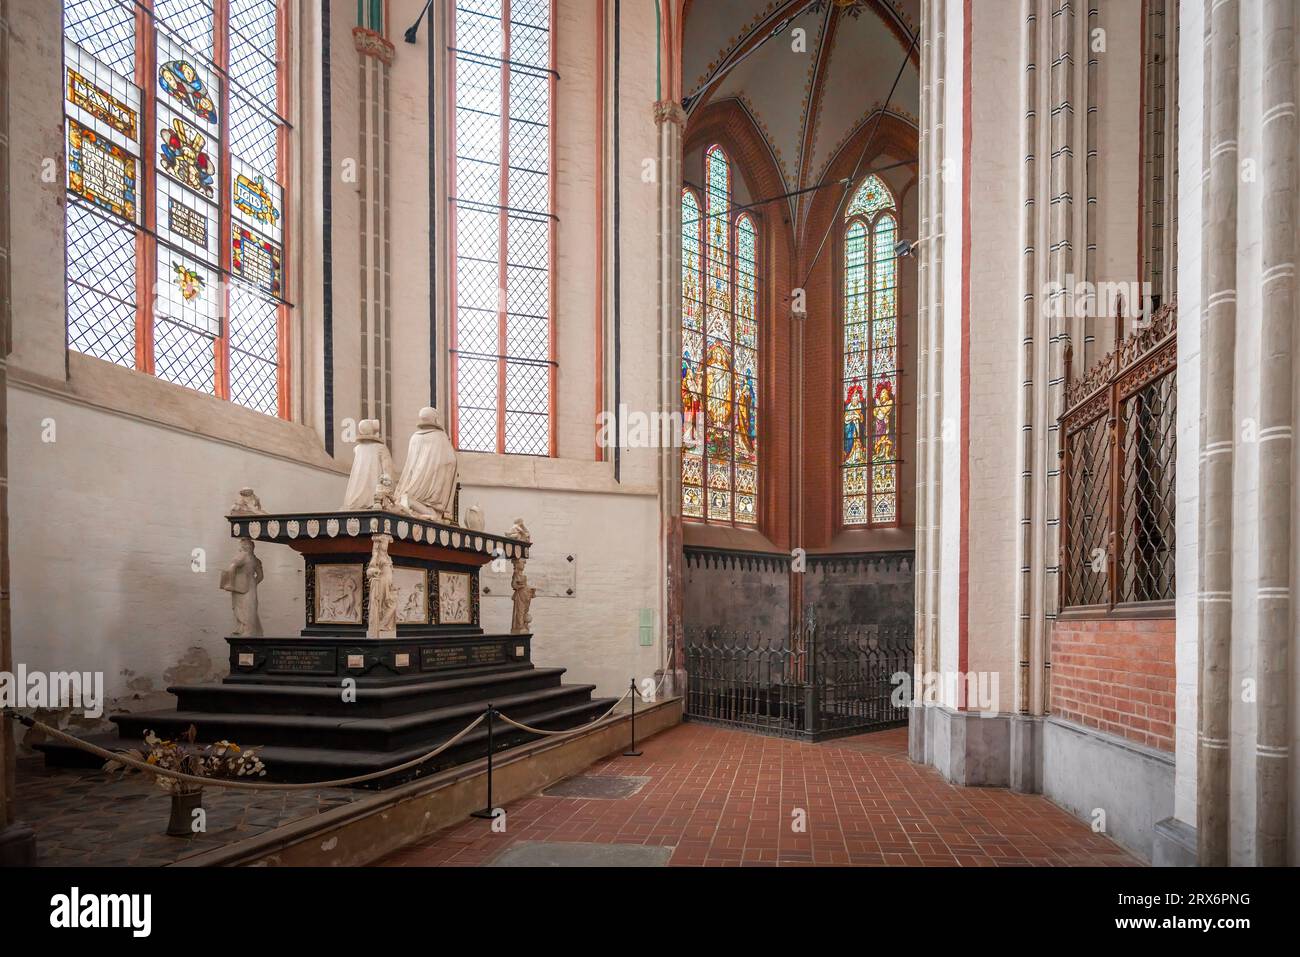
[
  {"x": 487, "y": 811},
  {"x": 631, "y": 751}
]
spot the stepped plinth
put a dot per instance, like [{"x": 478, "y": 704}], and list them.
[{"x": 350, "y": 695}]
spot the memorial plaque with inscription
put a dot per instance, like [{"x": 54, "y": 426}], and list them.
[{"x": 301, "y": 661}]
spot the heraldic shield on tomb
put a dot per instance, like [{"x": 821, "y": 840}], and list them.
[{"x": 349, "y": 694}]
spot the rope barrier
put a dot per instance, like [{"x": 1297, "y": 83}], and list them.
[
  {"x": 529, "y": 728},
  {"x": 121, "y": 757}
]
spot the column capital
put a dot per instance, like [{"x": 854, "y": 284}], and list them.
[
  {"x": 669, "y": 111},
  {"x": 370, "y": 43}
]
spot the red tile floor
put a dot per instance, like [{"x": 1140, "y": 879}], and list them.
[{"x": 724, "y": 797}]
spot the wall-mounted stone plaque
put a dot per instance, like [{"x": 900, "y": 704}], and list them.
[
  {"x": 301, "y": 661},
  {"x": 443, "y": 657},
  {"x": 554, "y": 576}
]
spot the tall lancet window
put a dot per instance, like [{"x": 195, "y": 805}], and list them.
[
  {"x": 719, "y": 352},
  {"x": 869, "y": 389},
  {"x": 503, "y": 222}
]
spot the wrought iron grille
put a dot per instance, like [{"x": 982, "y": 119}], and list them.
[
  {"x": 1118, "y": 489},
  {"x": 818, "y": 682}
]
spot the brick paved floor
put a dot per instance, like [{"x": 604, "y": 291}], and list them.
[{"x": 723, "y": 797}]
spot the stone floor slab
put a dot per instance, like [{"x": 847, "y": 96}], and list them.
[{"x": 563, "y": 854}]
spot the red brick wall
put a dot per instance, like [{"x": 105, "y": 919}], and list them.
[{"x": 1116, "y": 676}]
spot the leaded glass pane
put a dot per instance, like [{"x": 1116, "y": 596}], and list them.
[
  {"x": 869, "y": 477},
  {"x": 100, "y": 99},
  {"x": 101, "y": 285},
  {"x": 719, "y": 353},
  {"x": 253, "y": 350},
  {"x": 105, "y": 29},
  {"x": 503, "y": 229},
  {"x": 109, "y": 152}
]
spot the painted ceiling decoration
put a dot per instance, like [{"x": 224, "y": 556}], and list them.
[{"x": 809, "y": 72}]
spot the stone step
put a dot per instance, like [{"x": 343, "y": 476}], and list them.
[
  {"x": 309, "y": 762},
  {"x": 387, "y": 701},
  {"x": 382, "y": 734}
]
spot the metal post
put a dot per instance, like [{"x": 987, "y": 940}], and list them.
[
  {"x": 812, "y": 693},
  {"x": 631, "y": 751},
  {"x": 487, "y": 811}
]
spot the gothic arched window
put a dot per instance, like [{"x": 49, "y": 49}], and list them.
[
  {"x": 869, "y": 387},
  {"x": 719, "y": 352}
]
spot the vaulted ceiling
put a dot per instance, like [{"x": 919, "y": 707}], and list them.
[{"x": 807, "y": 100}]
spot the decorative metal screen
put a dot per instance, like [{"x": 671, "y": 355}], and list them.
[
  {"x": 1118, "y": 458},
  {"x": 1148, "y": 425},
  {"x": 815, "y": 683},
  {"x": 869, "y": 384},
  {"x": 720, "y": 282},
  {"x": 175, "y": 232},
  {"x": 503, "y": 369}
]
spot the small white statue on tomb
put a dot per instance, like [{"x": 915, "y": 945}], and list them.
[
  {"x": 427, "y": 488},
  {"x": 241, "y": 579},
  {"x": 370, "y": 461},
  {"x": 247, "y": 504},
  {"x": 474, "y": 519},
  {"x": 383, "y": 591},
  {"x": 384, "y": 494},
  {"x": 521, "y": 620},
  {"x": 519, "y": 531}
]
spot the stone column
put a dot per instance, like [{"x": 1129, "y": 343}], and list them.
[
  {"x": 1218, "y": 351},
  {"x": 1023, "y": 726},
  {"x": 670, "y": 122},
  {"x": 1278, "y": 183},
  {"x": 17, "y": 843},
  {"x": 375, "y": 57},
  {"x": 916, "y": 722}
]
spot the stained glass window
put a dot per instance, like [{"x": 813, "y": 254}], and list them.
[
  {"x": 719, "y": 352},
  {"x": 502, "y": 363},
  {"x": 175, "y": 214},
  {"x": 869, "y": 387}
]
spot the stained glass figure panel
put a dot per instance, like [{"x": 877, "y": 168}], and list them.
[
  {"x": 719, "y": 352},
  {"x": 188, "y": 85},
  {"x": 869, "y": 464}
]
